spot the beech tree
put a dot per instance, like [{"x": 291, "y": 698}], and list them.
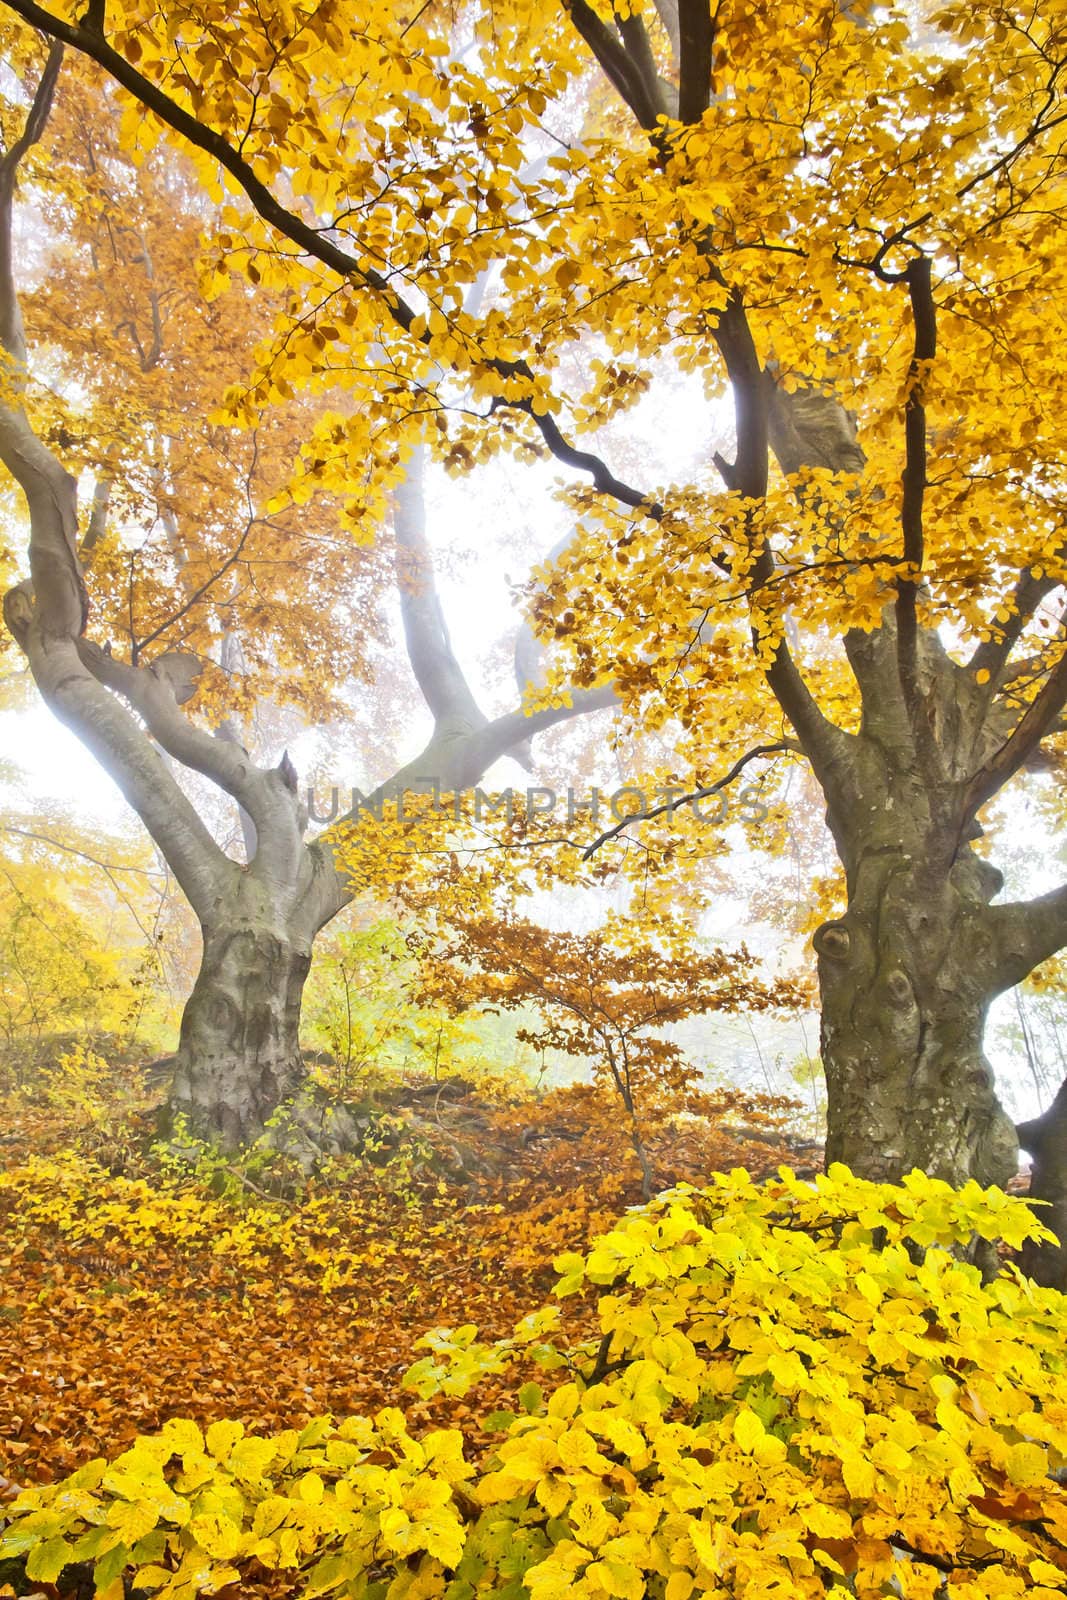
[
  {"x": 597, "y": 1002},
  {"x": 844, "y": 219},
  {"x": 184, "y": 621}
]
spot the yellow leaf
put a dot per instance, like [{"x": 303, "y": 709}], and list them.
[
  {"x": 748, "y": 1431},
  {"x": 1026, "y": 1463},
  {"x": 221, "y": 1438}
]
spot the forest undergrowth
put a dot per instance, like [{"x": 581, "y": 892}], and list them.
[{"x": 144, "y": 1280}]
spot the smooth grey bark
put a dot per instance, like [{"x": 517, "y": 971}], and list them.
[
  {"x": 907, "y": 975},
  {"x": 239, "y": 1053},
  {"x": 239, "y": 1058},
  {"x": 906, "y": 978}
]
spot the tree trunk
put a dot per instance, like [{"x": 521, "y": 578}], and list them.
[
  {"x": 906, "y": 979},
  {"x": 908, "y": 974},
  {"x": 239, "y": 1054},
  {"x": 1045, "y": 1138}
]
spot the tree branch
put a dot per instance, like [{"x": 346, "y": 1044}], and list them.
[
  {"x": 49, "y": 489},
  {"x": 668, "y": 15},
  {"x": 698, "y": 794},
  {"x": 621, "y": 69},
  {"x": 1034, "y": 1134},
  {"x": 747, "y": 476},
  {"x": 193, "y": 596},
  {"x": 72, "y": 850},
  {"x": 433, "y": 660},
  {"x": 504, "y": 733},
  {"x": 696, "y": 38},
  {"x": 12, "y": 335},
  {"x": 924, "y": 318},
  {"x": 97, "y": 519},
  {"x": 1037, "y": 720},
  {"x": 1045, "y": 1138},
  {"x": 112, "y": 735},
  {"x": 604, "y": 480},
  {"x": 47, "y": 616},
  {"x": 1026, "y": 933},
  {"x": 309, "y": 239},
  {"x": 40, "y": 110},
  {"x": 991, "y": 655},
  {"x": 634, "y": 36},
  {"x": 267, "y": 796}
]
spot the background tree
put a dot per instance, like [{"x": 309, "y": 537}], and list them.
[
  {"x": 81, "y": 958},
  {"x": 363, "y": 1010},
  {"x": 599, "y": 1003}
]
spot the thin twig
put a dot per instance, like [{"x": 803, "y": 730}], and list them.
[{"x": 698, "y": 794}]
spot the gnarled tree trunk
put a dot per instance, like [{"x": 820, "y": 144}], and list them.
[
  {"x": 239, "y": 1055},
  {"x": 906, "y": 980},
  {"x": 908, "y": 973}
]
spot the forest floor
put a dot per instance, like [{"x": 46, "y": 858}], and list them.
[{"x": 133, "y": 1290}]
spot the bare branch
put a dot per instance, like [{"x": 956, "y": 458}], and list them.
[
  {"x": 12, "y": 336},
  {"x": 1026, "y": 933},
  {"x": 992, "y": 654},
  {"x": 621, "y": 69},
  {"x": 604, "y": 480},
  {"x": 49, "y": 489},
  {"x": 232, "y": 661},
  {"x": 97, "y": 519},
  {"x": 668, "y": 806},
  {"x": 433, "y": 660},
  {"x": 194, "y": 596},
  {"x": 747, "y": 476},
  {"x": 668, "y": 15},
  {"x": 151, "y": 692},
  {"x": 112, "y": 735},
  {"x": 503, "y": 734},
  {"x": 639, "y": 49},
  {"x": 39, "y": 113},
  {"x": 72, "y": 850},
  {"x": 1038, "y": 720}
]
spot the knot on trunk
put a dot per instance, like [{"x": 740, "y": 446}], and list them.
[
  {"x": 899, "y": 987},
  {"x": 18, "y": 612},
  {"x": 975, "y": 875},
  {"x": 833, "y": 941}
]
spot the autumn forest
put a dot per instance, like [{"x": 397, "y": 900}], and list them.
[{"x": 533, "y": 848}]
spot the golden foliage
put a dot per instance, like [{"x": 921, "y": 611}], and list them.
[{"x": 794, "y": 1388}]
